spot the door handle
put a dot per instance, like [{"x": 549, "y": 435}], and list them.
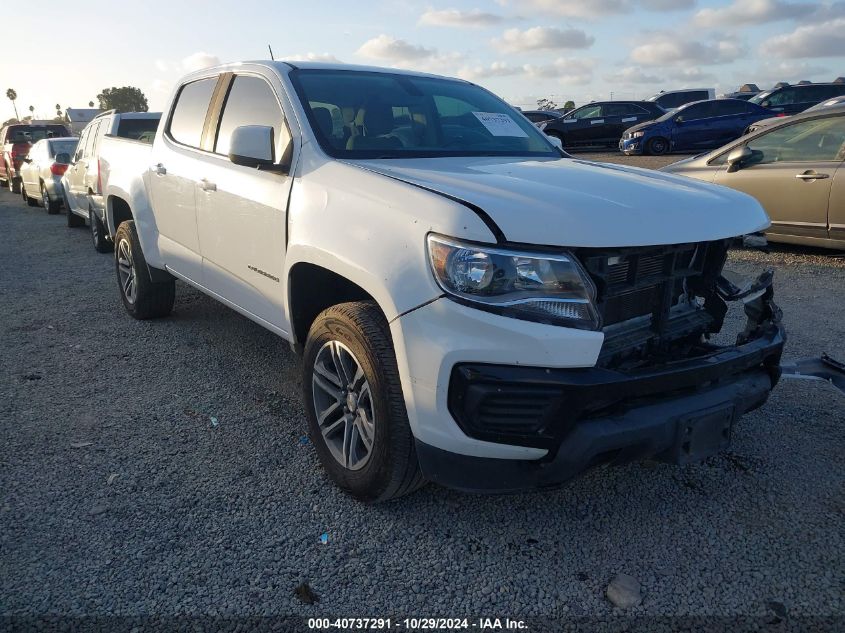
[
  {"x": 207, "y": 186},
  {"x": 811, "y": 175},
  {"x": 159, "y": 169}
]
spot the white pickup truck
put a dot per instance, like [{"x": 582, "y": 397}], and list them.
[{"x": 474, "y": 307}]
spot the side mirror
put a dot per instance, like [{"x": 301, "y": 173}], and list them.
[
  {"x": 766, "y": 103},
  {"x": 27, "y": 160},
  {"x": 554, "y": 140},
  {"x": 63, "y": 158},
  {"x": 679, "y": 119},
  {"x": 737, "y": 157},
  {"x": 252, "y": 146}
]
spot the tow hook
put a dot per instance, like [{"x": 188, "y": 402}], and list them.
[{"x": 822, "y": 368}]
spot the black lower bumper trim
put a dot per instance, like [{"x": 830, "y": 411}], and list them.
[{"x": 680, "y": 431}]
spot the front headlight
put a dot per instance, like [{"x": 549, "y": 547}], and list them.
[
  {"x": 545, "y": 287},
  {"x": 638, "y": 134}
]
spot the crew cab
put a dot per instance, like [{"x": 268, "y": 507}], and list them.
[
  {"x": 473, "y": 307},
  {"x": 15, "y": 141},
  {"x": 83, "y": 181}
]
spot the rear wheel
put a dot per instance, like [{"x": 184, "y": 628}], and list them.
[
  {"x": 353, "y": 398},
  {"x": 30, "y": 202},
  {"x": 14, "y": 184},
  {"x": 47, "y": 202},
  {"x": 98, "y": 233},
  {"x": 142, "y": 297},
  {"x": 657, "y": 146}
]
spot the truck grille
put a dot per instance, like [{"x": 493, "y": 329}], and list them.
[{"x": 642, "y": 290}]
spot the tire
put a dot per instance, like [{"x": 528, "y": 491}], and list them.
[
  {"x": 98, "y": 233},
  {"x": 657, "y": 146},
  {"x": 143, "y": 298},
  {"x": 14, "y": 184},
  {"x": 30, "y": 202},
  {"x": 73, "y": 220},
  {"x": 370, "y": 405},
  {"x": 48, "y": 203}
]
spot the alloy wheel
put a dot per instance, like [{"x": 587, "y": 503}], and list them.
[
  {"x": 126, "y": 271},
  {"x": 45, "y": 197},
  {"x": 343, "y": 404}
]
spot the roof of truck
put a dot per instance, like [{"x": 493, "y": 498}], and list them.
[{"x": 313, "y": 65}]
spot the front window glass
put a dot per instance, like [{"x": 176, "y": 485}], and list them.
[
  {"x": 587, "y": 112},
  {"x": 359, "y": 114},
  {"x": 807, "y": 141},
  {"x": 251, "y": 101}
]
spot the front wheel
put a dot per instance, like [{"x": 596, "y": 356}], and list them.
[
  {"x": 657, "y": 146},
  {"x": 142, "y": 297},
  {"x": 353, "y": 398},
  {"x": 30, "y": 202}
]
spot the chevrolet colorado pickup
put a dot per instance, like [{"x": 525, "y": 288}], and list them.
[{"x": 473, "y": 306}]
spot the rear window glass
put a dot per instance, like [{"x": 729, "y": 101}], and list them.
[
  {"x": 63, "y": 147},
  {"x": 34, "y": 133},
  {"x": 188, "y": 119},
  {"x": 138, "y": 129}
]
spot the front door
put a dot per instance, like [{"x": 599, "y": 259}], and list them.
[
  {"x": 241, "y": 211},
  {"x": 791, "y": 174}
]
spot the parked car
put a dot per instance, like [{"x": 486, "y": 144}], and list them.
[
  {"x": 599, "y": 124},
  {"x": 797, "y": 98},
  {"x": 42, "y": 171},
  {"x": 759, "y": 125},
  {"x": 673, "y": 99},
  {"x": 82, "y": 182},
  {"x": 472, "y": 307},
  {"x": 794, "y": 168},
  {"x": 15, "y": 141},
  {"x": 693, "y": 127},
  {"x": 541, "y": 116}
]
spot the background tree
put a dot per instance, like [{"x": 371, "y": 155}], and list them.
[
  {"x": 569, "y": 105},
  {"x": 546, "y": 104},
  {"x": 12, "y": 97},
  {"x": 126, "y": 99},
  {"x": 90, "y": 104},
  {"x": 31, "y": 112},
  {"x": 58, "y": 110}
]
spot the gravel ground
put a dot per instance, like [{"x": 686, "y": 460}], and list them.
[{"x": 159, "y": 468}]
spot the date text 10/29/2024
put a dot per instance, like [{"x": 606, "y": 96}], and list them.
[{"x": 417, "y": 624}]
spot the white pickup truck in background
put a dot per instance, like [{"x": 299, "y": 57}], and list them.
[
  {"x": 473, "y": 306},
  {"x": 108, "y": 139}
]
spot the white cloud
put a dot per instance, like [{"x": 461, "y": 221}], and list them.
[
  {"x": 542, "y": 38},
  {"x": 399, "y": 53},
  {"x": 312, "y": 57},
  {"x": 566, "y": 70},
  {"x": 496, "y": 69},
  {"x": 162, "y": 86},
  {"x": 162, "y": 65},
  {"x": 747, "y": 12},
  {"x": 459, "y": 19},
  {"x": 665, "y": 49},
  {"x": 199, "y": 60},
  {"x": 667, "y": 5},
  {"x": 581, "y": 9},
  {"x": 633, "y": 75},
  {"x": 691, "y": 76},
  {"x": 387, "y": 48},
  {"x": 769, "y": 73},
  {"x": 816, "y": 40}
]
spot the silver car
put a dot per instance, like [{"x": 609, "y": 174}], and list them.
[
  {"x": 42, "y": 171},
  {"x": 795, "y": 169}
]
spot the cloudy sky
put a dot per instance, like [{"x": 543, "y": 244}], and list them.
[{"x": 521, "y": 49}]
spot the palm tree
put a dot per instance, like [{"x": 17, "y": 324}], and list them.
[
  {"x": 58, "y": 110},
  {"x": 12, "y": 96},
  {"x": 31, "y": 113},
  {"x": 90, "y": 104}
]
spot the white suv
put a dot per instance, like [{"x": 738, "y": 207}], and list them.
[{"x": 473, "y": 306}]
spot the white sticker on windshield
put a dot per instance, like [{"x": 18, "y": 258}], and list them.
[{"x": 500, "y": 124}]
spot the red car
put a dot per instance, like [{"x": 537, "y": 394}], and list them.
[{"x": 15, "y": 141}]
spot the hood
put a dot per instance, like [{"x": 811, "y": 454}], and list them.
[
  {"x": 568, "y": 202},
  {"x": 642, "y": 126}
]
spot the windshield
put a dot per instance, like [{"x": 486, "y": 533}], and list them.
[
  {"x": 760, "y": 98},
  {"x": 63, "y": 147},
  {"x": 34, "y": 133},
  {"x": 138, "y": 129},
  {"x": 359, "y": 114}
]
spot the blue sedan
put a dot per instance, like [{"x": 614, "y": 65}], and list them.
[{"x": 697, "y": 126}]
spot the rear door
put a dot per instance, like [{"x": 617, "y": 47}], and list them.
[
  {"x": 241, "y": 211},
  {"x": 582, "y": 126},
  {"x": 177, "y": 168},
  {"x": 792, "y": 174},
  {"x": 730, "y": 118}
]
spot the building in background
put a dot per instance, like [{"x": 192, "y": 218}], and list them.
[{"x": 78, "y": 118}]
